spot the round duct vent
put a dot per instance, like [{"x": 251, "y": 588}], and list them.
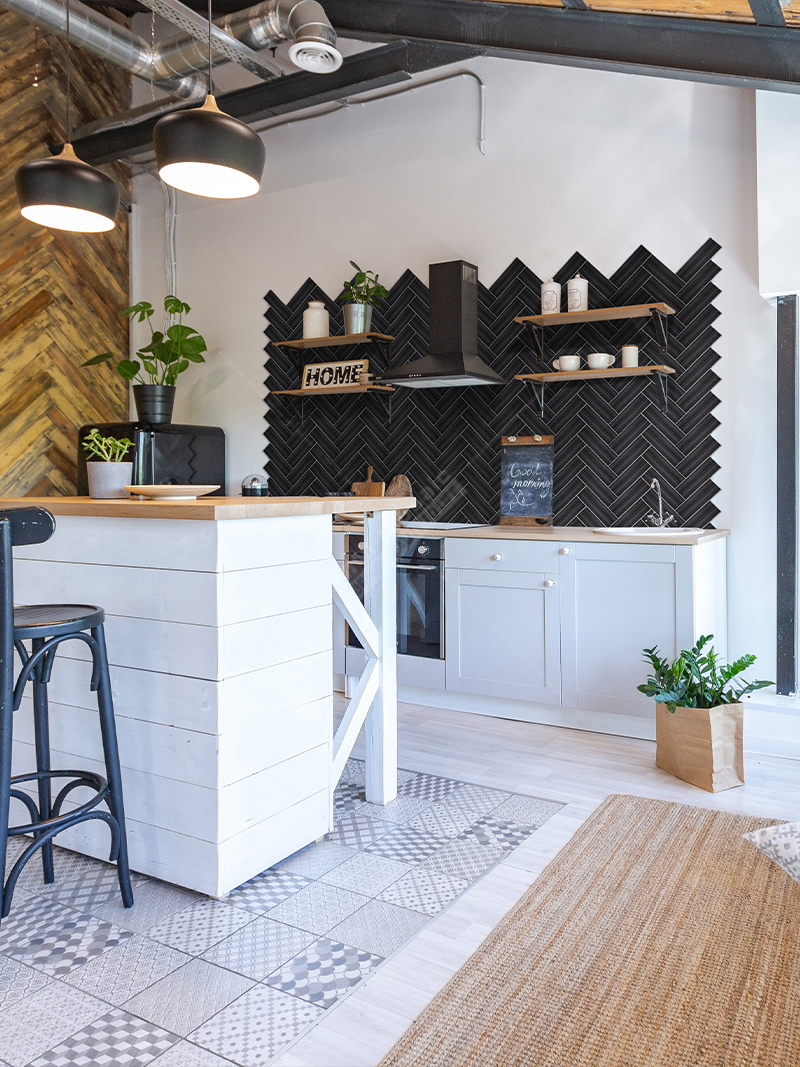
[{"x": 316, "y": 57}]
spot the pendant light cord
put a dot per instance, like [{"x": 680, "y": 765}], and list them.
[
  {"x": 210, "y": 85},
  {"x": 69, "y": 117}
]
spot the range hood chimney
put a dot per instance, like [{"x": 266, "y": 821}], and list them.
[{"x": 453, "y": 343}]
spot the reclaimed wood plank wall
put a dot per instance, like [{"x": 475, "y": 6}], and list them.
[{"x": 60, "y": 293}]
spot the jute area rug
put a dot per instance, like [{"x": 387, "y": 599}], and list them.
[{"x": 655, "y": 938}]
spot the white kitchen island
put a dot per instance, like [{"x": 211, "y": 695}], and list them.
[{"x": 219, "y": 631}]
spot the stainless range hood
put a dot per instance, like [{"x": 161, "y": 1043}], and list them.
[{"x": 453, "y": 338}]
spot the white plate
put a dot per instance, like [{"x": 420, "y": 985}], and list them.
[{"x": 170, "y": 492}]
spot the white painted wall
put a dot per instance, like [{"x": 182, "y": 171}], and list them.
[
  {"x": 778, "y": 135},
  {"x": 576, "y": 160}
]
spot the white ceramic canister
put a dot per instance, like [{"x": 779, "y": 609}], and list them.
[
  {"x": 578, "y": 294},
  {"x": 315, "y": 320},
  {"x": 630, "y": 355},
  {"x": 551, "y": 297}
]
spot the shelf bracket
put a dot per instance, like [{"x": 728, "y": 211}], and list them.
[
  {"x": 659, "y": 321},
  {"x": 384, "y": 350},
  {"x": 386, "y": 400},
  {"x": 536, "y": 335},
  {"x": 662, "y": 385},
  {"x": 537, "y": 389}
]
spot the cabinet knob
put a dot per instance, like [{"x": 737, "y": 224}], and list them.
[
  {"x": 497, "y": 556},
  {"x": 563, "y": 551},
  {"x": 361, "y": 546},
  {"x": 550, "y": 583}
]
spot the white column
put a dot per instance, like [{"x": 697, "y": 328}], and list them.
[{"x": 380, "y": 597}]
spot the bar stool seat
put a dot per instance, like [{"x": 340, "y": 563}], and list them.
[
  {"x": 34, "y": 620},
  {"x": 47, "y": 627}
]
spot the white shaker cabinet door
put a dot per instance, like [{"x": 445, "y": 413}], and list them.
[
  {"x": 618, "y": 600},
  {"x": 502, "y": 634}
]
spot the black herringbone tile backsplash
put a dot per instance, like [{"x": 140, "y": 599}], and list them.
[{"x": 611, "y": 437}]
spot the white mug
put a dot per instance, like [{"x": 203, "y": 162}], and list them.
[
  {"x": 567, "y": 363},
  {"x": 600, "y": 360},
  {"x": 630, "y": 355}
]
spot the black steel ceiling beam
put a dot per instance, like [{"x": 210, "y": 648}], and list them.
[
  {"x": 729, "y": 53},
  {"x": 367, "y": 70},
  {"x": 767, "y": 12}
]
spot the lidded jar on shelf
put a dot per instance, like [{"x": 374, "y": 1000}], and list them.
[{"x": 255, "y": 485}]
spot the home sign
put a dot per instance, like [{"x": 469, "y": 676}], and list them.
[
  {"x": 334, "y": 375},
  {"x": 526, "y": 489}
]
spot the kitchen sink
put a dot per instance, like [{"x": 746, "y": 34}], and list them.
[{"x": 647, "y": 531}]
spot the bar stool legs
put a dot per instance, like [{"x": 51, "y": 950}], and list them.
[
  {"x": 114, "y": 775},
  {"x": 41, "y": 726}
]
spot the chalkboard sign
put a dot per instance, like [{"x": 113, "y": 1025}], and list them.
[{"x": 526, "y": 489}]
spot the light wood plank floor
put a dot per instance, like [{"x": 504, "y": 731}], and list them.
[{"x": 576, "y": 767}]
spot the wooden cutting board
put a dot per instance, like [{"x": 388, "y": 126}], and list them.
[
  {"x": 399, "y": 486},
  {"x": 368, "y": 488}
]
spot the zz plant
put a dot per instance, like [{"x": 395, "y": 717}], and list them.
[
  {"x": 167, "y": 354},
  {"x": 696, "y": 679}
]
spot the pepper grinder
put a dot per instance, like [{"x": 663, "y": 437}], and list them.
[{"x": 578, "y": 294}]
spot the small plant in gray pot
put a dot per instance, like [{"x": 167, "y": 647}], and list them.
[
  {"x": 109, "y": 472},
  {"x": 700, "y": 714},
  {"x": 165, "y": 357},
  {"x": 362, "y": 294}
]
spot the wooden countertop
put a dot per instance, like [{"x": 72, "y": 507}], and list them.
[
  {"x": 210, "y": 507},
  {"x": 553, "y": 533}
]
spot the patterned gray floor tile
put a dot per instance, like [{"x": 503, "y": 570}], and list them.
[
  {"x": 356, "y": 831},
  {"x": 67, "y": 866},
  {"x": 18, "y": 981},
  {"x": 318, "y": 907},
  {"x": 425, "y": 891},
  {"x": 324, "y": 972},
  {"x": 256, "y": 1026},
  {"x": 346, "y": 797},
  {"x": 406, "y": 845},
  {"x": 117, "y": 1038},
  {"x": 479, "y": 797},
  {"x": 258, "y": 948},
  {"x": 443, "y": 820},
  {"x": 33, "y": 1025},
  {"x": 185, "y": 1054},
  {"x": 355, "y": 773},
  {"x": 365, "y": 873},
  {"x": 188, "y": 997},
  {"x": 155, "y": 902},
  {"x": 126, "y": 970},
  {"x": 463, "y": 859},
  {"x": 267, "y": 889},
  {"x": 90, "y": 887},
  {"x": 196, "y": 928},
  {"x": 401, "y": 810},
  {"x": 498, "y": 833},
  {"x": 53, "y": 938},
  {"x": 428, "y": 787},
  {"x": 317, "y": 859},
  {"x": 530, "y": 811},
  {"x": 379, "y": 927}
]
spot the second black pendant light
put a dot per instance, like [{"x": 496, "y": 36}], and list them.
[{"x": 206, "y": 152}]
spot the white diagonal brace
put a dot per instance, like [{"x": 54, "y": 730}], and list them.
[
  {"x": 357, "y": 709},
  {"x": 353, "y": 610}
]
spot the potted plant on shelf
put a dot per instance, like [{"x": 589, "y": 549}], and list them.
[
  {"x": 362, "y": 294},
  {"x": 700, "y": 715},
  {"x": 109, "y": 473},
  {"x": 165, "y": 357}
]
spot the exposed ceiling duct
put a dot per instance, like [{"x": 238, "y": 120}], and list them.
[{"x": 174, "y": 63}]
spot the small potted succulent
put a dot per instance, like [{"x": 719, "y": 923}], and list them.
[
  {"x": 700, "y": 715},
  {"x": 109, "y": 472},
  {"x": 362, "y": 294},
  {"x": 165, "y": 357}
]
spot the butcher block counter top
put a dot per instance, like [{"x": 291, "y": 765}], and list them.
[
  {"x": 210, "y": 507},
  {"x": 551, "y": 533}
]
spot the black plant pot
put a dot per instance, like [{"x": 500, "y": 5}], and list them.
[{"x": 154, "y": 403}]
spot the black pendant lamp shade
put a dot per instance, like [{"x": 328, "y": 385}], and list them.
[
  {"x": 67, "y": 194},
  {"x": 204, "y": 151}
]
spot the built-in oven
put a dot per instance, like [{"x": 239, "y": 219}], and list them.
[{"x": 420, "y": 593}]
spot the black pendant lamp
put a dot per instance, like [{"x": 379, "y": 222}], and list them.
[
  {"x": 206, "y": 152},
  {"x": 63, "y": 192}
]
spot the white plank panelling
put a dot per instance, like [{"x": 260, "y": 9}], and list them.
[
  {"x": 279, "y": 736},
  {"x": 280, "y": 639},
  {"x": 255, "y": 594},
  {"x": 246, "y": 544},
  {"x": 245, "y": 700},
  {"x": 272, "y": 790}
]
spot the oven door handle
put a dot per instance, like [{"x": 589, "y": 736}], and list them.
[{"x": 417, "y": 566}]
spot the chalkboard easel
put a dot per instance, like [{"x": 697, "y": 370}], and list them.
[{"x": 526, "y": 489}]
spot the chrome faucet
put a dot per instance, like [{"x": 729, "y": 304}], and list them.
[{"x": 660, "y": 519}]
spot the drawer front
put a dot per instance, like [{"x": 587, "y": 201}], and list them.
[{"x": 499, "y": 555}]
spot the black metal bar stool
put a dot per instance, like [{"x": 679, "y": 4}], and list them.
[{"x": 47, "y": 626}]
